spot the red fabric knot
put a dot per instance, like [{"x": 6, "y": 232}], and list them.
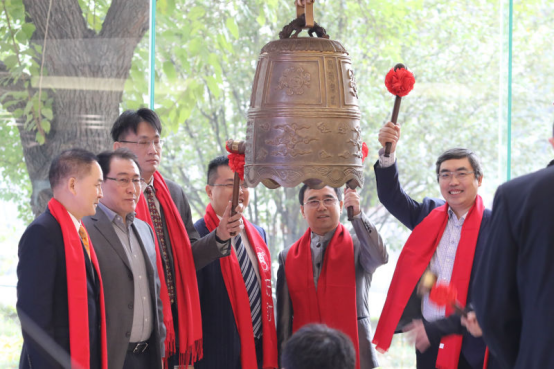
[
  {"x": 443, "y": 294},
  {"x": 236, "y": 162},
  {"x": 399, "y": 82}
]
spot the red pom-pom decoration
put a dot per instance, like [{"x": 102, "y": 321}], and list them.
[
  {"x": 443, "y": 294},
  {"x": 399, "y": 82},
  {"x": 236, "y": 163},
  {"x": 365, "y": 151}
]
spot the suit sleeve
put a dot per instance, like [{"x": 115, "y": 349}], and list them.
[
  {"x": 392, "y": 196},
  {"x": 284, "y": 306},
  {"x": 40, "y": 252},
  {"x": 205, "y": 249},
  {"x": 495, "y": 286},
  {"x": 373, "y": 251},
  {"x": 440, "y": 328}
]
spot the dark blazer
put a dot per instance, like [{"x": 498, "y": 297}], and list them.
[
  {"x": 411, "y": 213},
  {"x": 514, "y": 291},
  {"x": 118, "y": 278},
  {"x": 221, "y": 337},
  {"x": 204, "y": 250},
  {"x": 42, "y": 296}
]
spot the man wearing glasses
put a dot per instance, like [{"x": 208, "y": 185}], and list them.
[
  {"x": 127, "y": 257},
  {"x": 325, "y": 276},
  {"x": 235, "y": 291},
  {"x": 181, "y": 251},
  {"x": 447, "y": 240}
]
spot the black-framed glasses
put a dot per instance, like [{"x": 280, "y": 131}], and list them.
[
  {"x": 447, "y": 176},
  {"x": 144, "y": 144},
  {"x": 124, "y": 182},
  {"x": 327, "y": 202},
  {"x": 229, "y": 185}
]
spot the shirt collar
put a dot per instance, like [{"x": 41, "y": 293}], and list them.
[
  {"x": 452, "y": 215},
  {"x": 76, "y": 223},
  {"x": 150, "y": 184},
  {"x": 323, "y": 239},
  {"x": 112, "y": 215}
]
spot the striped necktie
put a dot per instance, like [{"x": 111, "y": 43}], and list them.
[{"x": 252, "y": 287}]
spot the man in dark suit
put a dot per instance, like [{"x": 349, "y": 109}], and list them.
[
  {"x": 165, "y": 207},
  {"x": 224, "y": 341},
  {"x": 127, "y": 257},
  {"x": 57, "y": 272},
  {"x": 341, "y": 263},
  {"x": 448, "y": 239},
  {"x": 513, "y": 284}
]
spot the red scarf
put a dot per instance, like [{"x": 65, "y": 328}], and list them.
[
  {"x": 334, "y": 301},
  {"x": 414, "y": 259},
  {"x": 238, "y": 296},
  {"x": 79, "y": 345},
  {"x": 186, "y": 287}
]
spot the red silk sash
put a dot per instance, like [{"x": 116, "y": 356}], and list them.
[
  {"x": 238, "y": 296},
  {"x": 334, "y": 301},
  {"x": 186, "y": 286},
  {"x": 414, "y": 259},
  {"x": 77, "y": 291}
]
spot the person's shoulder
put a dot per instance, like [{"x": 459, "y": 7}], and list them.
[
  {"x": 45, "y": 229},
  {"x": 44, "y": 222},
  {"x": 200, "y": 226},
  {"x": 283, "y": 253},
  {"x": 173, "y": 186}
]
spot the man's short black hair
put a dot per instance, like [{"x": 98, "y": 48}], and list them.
[
  {"x": 212, "y": 168},
  {"x": 460, "y": 153},
  {"x": 303, "y": 189},
  {"x": 316, "y": 346},
  {"x": 129, "y": 121},
  {"x": 70, "y": 163},
  {"x": 105, "y": 159}
]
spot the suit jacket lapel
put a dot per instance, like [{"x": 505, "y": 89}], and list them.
[
  {"x": 105, "y": 227},
  {"x": 148, "y": 263}
]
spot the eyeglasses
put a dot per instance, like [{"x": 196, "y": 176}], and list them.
[
  {"x": 229, "y": 185},
  {"x": 124, "y": 182},
  {"x": 328, "y": 202},
  {"x": 447, "y": 176},
  {"x": 144, "y": 144}
]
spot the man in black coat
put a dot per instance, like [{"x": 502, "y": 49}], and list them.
[
  {"x": 513, "y": 288},
  {"x": 42, "y": 287},
  {"x": 222, "y": 341}
]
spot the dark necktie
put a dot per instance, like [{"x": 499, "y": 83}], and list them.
[
  {"x": 158, "y": 227},
  {"x": 252, "y": 287}
]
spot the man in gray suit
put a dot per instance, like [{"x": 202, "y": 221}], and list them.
[
  {"x": 127, "y": 257},
  {"x": 325, "y": 276},
  {"x": 179, "y": 244}
]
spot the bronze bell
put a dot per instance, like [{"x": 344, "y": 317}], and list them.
[{"x": 304, "y": 119}]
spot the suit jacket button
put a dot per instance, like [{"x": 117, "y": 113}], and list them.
[
  {"x": 128, "y": 334},
  {"x": 130, "y": 306}
]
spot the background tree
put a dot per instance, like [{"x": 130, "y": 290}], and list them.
[{"x": 64, "y": 70}]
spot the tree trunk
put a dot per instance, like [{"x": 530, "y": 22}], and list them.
[{"x": 86, "y": 77}]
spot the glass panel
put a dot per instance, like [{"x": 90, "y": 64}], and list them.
[
  {"x": 532, "y": 87},
  {"x": 67, "y": 68}
]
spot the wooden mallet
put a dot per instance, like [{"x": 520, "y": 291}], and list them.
[{"x": 235, "y": 148}]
